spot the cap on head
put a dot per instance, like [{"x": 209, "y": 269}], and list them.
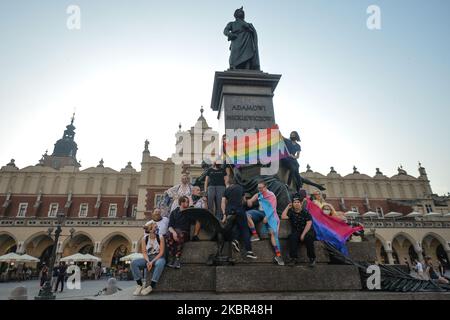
[{"x": 301, "y": 195}]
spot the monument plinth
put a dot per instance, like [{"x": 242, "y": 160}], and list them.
[{"x": 244, "y": 99}]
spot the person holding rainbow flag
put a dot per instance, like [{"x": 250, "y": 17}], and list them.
[{"x": 271, "y": 221}]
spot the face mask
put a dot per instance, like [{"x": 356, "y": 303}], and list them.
[
  {"x": 327, "y": 212},
  {"x": 195, "y": 198}
]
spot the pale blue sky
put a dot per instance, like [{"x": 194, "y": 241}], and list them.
[{"x": 138, "y": 68}]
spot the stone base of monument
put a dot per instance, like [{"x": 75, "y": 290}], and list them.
[
  {"x": 266, "y": 278},
  {"x": 262, "y": 275}
]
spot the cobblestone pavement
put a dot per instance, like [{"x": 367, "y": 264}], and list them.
[
  {"x": 127, "y": 294},
  {"x": 88, "y": 289}
]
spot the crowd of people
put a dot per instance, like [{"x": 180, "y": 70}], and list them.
[
  {"x": 166, "y": 233},
  {"x": 169, "y": 229},
  {"x": 428, "y": 271}
]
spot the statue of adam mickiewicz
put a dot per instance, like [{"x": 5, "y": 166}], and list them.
[{"x": 244, "y": 43}]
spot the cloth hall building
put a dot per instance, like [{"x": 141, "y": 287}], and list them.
[{"x": 105, "y": 208}]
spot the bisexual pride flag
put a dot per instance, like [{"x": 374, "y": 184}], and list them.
[{"x": 331, "y": 229}]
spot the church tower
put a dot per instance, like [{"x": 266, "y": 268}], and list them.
[{"x": 65, "y": 150}]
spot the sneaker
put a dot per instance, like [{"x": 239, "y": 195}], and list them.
[
  {"x": 279, "y": 260},
  {"x": 292, "y": 262},
  {"x": 137, "y": 291},
  {"x": 251, "y": 255},
  {"x": 312, "y": 263},
  {"x": 177, "y": 263},
  {"x": 236, "y": 245},
  {"x": 146, "y": 291},
  {"x": 195, "y": 238},
  {"x": 170, "y": 262},
  {"x": 254, "y": 238}
]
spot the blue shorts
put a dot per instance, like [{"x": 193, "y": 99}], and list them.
[{"x": 256, "y": 215}]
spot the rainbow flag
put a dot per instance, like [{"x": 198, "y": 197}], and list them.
[
  {"x": 331, "y": 229},
  {"x": 260, "y": 146}
]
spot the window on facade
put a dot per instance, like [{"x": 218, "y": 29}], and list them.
[
  {"x": 112, "y": 212},
  {"x": 53, "y": 210},
  {"x": 134, "y": 211},
  {"x": 158, "y": 198},
  {"x": 380, "y": 212},
  {"x": 22, "y": 210},
  {"x": 83, "y": 210},
  {"x": 429, "y": 208},
  {"x": 355, "y": 209}
]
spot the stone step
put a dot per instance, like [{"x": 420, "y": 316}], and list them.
[
  {"x": 190, "y": 278},
  {"x": 199, "y": 251},
  {"x": 259, "y": 278},
  {"x": 262, "y": 278},
  {"x": 263, "y": 249}
]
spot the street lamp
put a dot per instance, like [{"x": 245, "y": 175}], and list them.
[{"x": 46, "y": 292}]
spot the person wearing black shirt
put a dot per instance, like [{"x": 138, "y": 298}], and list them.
[
  {"x": 62, "y": 270},
  {"x": 233, "y": 204},
  {"x": 301, "y": 228},
  {"x": 179, "y": 230},
  {"x": 215, "y": 187}
]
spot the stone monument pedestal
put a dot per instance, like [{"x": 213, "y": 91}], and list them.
[{"x": 243, "y": 99}]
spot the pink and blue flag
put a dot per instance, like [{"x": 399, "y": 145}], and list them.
[{"x": 331, "y": 229}]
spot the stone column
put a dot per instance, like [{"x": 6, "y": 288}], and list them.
[
  {"x": 134, "y": 246},
  {"x": 418, "y": 249},
  {"x": 390, "y": 256},
  {"x": 20, "y": 247},
  {"x": 97, "y": 248}
]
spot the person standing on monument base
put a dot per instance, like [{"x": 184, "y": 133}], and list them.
[
  {"x": 180, "y": 190},
  {"x": 198, "y": 201},
  {"x": 233, "y": 204},
  {"x": 293, "y": 149},
  {"x": 291, "y": 163},
  {"x": 215, "y": 187}
]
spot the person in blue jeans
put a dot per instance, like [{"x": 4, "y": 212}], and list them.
[
  {"x": 153, "y": 249},
  {"x": 233, "y": 204}
]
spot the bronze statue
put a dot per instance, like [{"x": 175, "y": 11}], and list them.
[{"x": 244, "y": 43}]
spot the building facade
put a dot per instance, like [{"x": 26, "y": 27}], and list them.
[{"x": 105, "y": 209}]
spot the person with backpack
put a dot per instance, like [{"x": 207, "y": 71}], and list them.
[{"x": 153, "y": 249}]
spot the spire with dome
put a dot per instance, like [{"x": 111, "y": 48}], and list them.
[{"x": 65, "y": 150}]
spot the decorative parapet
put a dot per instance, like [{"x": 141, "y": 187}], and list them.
[
  {"x": 82, "y": 222},
  {"x": 129, "y": 222}
]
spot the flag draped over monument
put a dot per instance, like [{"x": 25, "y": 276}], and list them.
[{"x": 263, "y": 145}]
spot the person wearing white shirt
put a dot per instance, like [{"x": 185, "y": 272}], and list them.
[{"x": 162, "y": 222}]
